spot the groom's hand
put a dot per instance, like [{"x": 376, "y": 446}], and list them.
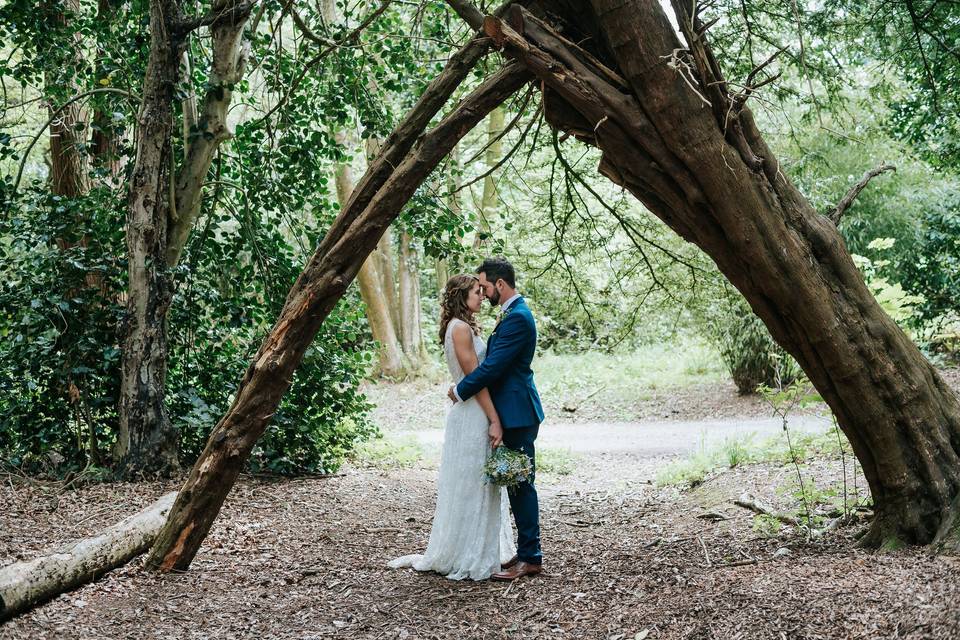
[
  {"x": 451, "y": 394},
  {"x": 496, "y": 434}
]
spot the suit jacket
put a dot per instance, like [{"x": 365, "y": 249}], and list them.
[{"x": 506, "y": 372}]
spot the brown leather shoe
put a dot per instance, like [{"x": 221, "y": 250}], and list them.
[
  {"x": 517, "y": 571},
  {"x": 509, "y": 563}
]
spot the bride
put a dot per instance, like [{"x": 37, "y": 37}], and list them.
[{"x": 471, "y": 533}]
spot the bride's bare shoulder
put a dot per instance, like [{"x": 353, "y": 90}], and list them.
[{"x": 461, "y": 331}]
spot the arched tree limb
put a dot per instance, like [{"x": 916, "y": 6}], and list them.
[
  {"x": 789, "y": 262},
  {"x": 318, "y": 289}
]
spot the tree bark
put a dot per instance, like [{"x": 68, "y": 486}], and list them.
[
  {"x": 68, "y": 163},
  {"x": 409, "y": 281},
  {"x": 379, "y": 318},
  {"x": 26, "y": 584},
  {"x": 453, "y": 182},
  {"x": 147, "y": 442},
  {"x": 717, "y": 184},
  {"x": 383, "y": 255},
  {"x": 488, "y": 202},
  {"x": 318, "y": 289},
  {"x": 159, "y": 219},
  {"x": 230, "y": 52}
]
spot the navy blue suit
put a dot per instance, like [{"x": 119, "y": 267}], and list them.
[{"x": 506, "y": 374}]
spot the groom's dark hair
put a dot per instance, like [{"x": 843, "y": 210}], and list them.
[{"x": 498, "y": 269}]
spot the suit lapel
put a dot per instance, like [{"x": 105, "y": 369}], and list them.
[{"x": 512, "y": 308}]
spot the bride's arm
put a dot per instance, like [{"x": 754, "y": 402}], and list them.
[{"x": 467, "y": 357}]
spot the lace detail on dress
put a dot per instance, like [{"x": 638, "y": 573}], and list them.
[
  {"x": 471, "y": 533},
  {"x": 453, "y": 365}
]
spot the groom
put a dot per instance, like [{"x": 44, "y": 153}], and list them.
[{"x": 506, "y": 374}]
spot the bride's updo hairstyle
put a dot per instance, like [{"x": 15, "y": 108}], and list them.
[{"x": 453, "y": 302}]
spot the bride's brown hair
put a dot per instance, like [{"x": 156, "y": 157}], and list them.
[{"x": 453, "y": 303}]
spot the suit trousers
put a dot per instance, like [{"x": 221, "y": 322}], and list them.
[{"x": 523, "y": 497}]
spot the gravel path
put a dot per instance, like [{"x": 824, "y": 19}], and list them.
[{"x": 646, "y": 439}]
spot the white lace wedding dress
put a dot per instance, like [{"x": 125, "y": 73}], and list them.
[{"x": 471, "y": 533}]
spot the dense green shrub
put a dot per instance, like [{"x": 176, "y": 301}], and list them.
[
  {"x": 746, "y": 348},
  {"x": 59, "y": 312},
  {"x": 62, "y": 278}
]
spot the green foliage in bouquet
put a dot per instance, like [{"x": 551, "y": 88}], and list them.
[{"x": 508, "y": 467}]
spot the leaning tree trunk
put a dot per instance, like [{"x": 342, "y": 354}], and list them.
[
  {"x": 383, "y": 191},
  {"x": 707, "y": 173},
  {"x": 147, "y": 442}
]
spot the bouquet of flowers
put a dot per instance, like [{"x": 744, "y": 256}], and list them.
[{"x": 507, "y": 467}]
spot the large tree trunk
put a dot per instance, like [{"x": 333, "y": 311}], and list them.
[
  {"x": 409, "y": 281},
  {"x": 488, "y": 202},
  {"x": 28, "y": 583},
  {"x": 383, "y": 191},
  {"x": 453, "y": 181},
  {"x": 383, "y": 255},
  {"x": 384, "y": 259},
  {"x": 160, "y": 217},
  {"x": 68, "y": 163},
  {"x": 707, "y": 173},
  {"x": 379, "y": 318},
  {"x": 147, "y": 442}
]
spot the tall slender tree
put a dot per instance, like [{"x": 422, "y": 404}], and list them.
[
  {"x": 68, "y": 158},
  {"x": 163, "y": 205}
]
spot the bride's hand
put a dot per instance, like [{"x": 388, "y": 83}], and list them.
[{"x": 496, "y": 434}]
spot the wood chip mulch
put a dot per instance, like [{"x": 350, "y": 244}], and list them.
[{"x": 306, "y": 559}]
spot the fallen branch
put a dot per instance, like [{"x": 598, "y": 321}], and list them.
[
  {"x": 738, "y": 563},
  {"x": 751, "y": 502},
  {"x": 30, "y": 582},
  {"x": 706, "y": 554}
]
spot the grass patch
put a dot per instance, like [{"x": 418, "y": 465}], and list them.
[
  {"x": 389, "y": 453},
  {"x": 767, "y": 526},
  {"x": 734, "y": 452},
  {"x": 561, "y": 462},
  {"x": 607, "y": 385},
  {"x": 689, "y": 472},
  {"x": 694, "y": 469},
  {"x": 650, "y": 367}
]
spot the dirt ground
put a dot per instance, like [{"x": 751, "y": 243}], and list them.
[
  {"x": 306, "y": 559},
  {"x": 624, "y": 559}
]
